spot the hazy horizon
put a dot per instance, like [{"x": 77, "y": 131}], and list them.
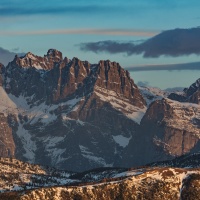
[{"x": 166, "y": 79}]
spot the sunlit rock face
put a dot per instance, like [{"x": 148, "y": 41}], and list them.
[
  {"x": 79, "y": 115},
  {"x": 83, "y": 116},
  {"x": 169, "y": 128}
]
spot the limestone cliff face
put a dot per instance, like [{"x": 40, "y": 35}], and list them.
[
  {"x": 112, "y": 76},
  {"x": 53, "y": 79},
  {"x": 172, "y": 126},
  {"x": 169, "y": 128},
  {"x": 75, "y": 112},
  {"x": 33, "y": 61},
  {"x": 36, "y": 76},
  {"x": 83, "y": 115}
]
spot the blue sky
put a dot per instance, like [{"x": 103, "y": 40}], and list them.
[{"x": 39, "y": 25}]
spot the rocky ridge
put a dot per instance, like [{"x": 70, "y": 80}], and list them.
[
  {"x": 148, "y": 183},
  {"x": 16, "y": 175},
  {"x": 75, "y": 112},
  {"x": 191, "y": 94},
  {"x": 28, "y": 181},
  {"x": 83, "y": 116},
  {"x": 168, "y": 129},
  {"x": 184, "y": 161}
]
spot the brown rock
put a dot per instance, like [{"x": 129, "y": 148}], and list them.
[
  {"x": 172, "y": 126},
  {"x": 7, "y": 144},
  {"x": 195, "y": 97}
]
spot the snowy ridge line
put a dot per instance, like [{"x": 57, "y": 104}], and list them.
[
  {"x": 151, "y": 94},
  {"x": 121, "y": 104}
]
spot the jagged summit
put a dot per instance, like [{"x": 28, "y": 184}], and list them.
[
  {"x": 55, "y": 55},
  {"x": 108, "y": 62},
  {"x": 54, "y": 58},
  {"x": 65, "y": 103},
  {"x": 66, "y": 78},
  {"x": 193, "y": 88},
  {"x": 48, "y": 62},
  {"x": 191, "y": 94},
  {"x": 83, "y": 115}
]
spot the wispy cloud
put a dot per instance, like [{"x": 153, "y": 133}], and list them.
[
  {"x": 169, "y": 67},
  {"x": 6, "y": 56},
  {"x": 48, "y": 10},
  {"x": 51, "y": 7},
  {"x": 173, "y": 43},
  {"x": 123, "y": 32},
  {"x": 35, "y": 7},
  {"x": 109, "y": 46}
]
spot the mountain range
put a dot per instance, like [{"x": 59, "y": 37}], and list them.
[{"x": 76, "y": 116}]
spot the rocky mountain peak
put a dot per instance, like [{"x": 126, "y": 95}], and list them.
[
  {"x": 112, "y": 76},
  {"x": 83, "y": 115},
  {"x": 30, "y": 55},
  {"x": 193, "y": 88},
  {"x": 77, "y": 62},
  {"x": 191, "y": 94},
  {"x": 49, "y": 61},
  {"x": 53, "y": 53},
  {"x": 108, "y": 64},
  {"x": 61, "y": 96}
]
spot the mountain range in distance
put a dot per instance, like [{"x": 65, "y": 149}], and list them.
[{"x": 76, "y": 116}]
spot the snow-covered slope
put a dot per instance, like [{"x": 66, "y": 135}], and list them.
[
  {"x": 152, "y": 93},
  {"x": 121, "y": 104}
]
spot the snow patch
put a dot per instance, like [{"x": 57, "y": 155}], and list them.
[
  {"x": 128, "y": 173},
  {"x": 151, "y": 94},
  {"x": 121, "y": 140},
  {"x": 121, "y": 104},
  {"x": 90, "y": 156},
  {"x": 28, "y": 144}
]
